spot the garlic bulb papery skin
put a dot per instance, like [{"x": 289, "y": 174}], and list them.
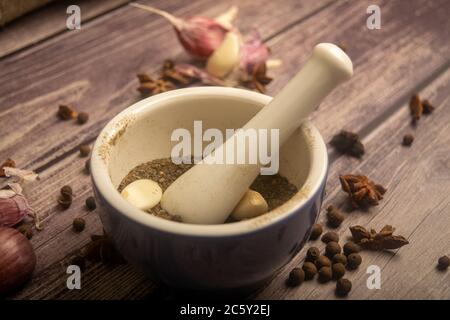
[
  {"x": 13, "y": 210},
  {"x": 226, "y": 57}
]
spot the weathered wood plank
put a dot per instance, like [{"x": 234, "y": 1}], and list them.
[
  {"x": 29, "y": 99},
  {"x": 69, "y": 171},
  {"x": 396, "y": 85},
  {"x": 416, "y": 203},
  {"x": 47, "y": 22}
]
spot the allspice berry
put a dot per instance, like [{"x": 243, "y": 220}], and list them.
[
  {"x": 310, "y": 270},
  {"x": 343, "y": 287},
  {"x": 353, "y": 261},
  {"x": 408, "y": 139},
  {"x": 338, "y": 270},
  {"x": 85, "y": 150},
  {"x": 90, "y": 203},
  {"x": 322, "y": 261},
  {"x": 296, "y": 277},
  {"x": 443, "y": 263},
  {"x": 351, "y": 247},
  {"x": 330, "y": 236},
  {"x": 82, "y": 118},
  {"x": 334, "y": 216},
  {"x": 64, "y": 201},
  {"x": 316, "y": 231},
  {"x": 312, "y": 254},
  {"x": 332, "y": 248},
  {"x": 78, "y": 224},
  {"x": 339, "y": 258},
  {"x": 66, "y": 191},
  {"x": 325, "y": 274}
]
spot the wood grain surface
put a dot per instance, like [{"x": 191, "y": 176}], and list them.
[{"x": 409, "y": 54}]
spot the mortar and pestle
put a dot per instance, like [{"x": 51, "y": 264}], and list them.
[{"x": 204, "y": 253}]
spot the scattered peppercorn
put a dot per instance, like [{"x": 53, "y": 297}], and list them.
[
  {"x": 343, "y": 287},
  {"x": 339, "y": 258},
  {"x": 332, "y": 248},
  {"x": 347, "y": 142},
  {"x": 330, "y": 236},
  {"x": 90, "y": 203},
  {"x": 310, "y": 270},
  {"x": 338, "y": 270},
  {"x": 443, "y": 263},
  {"x": 351, "y": 247},
  {"x": 322, "y": 261},
  {"x": 296, "y": 277},
  {"x": 66, "y": 113},
  {"x": 66, "y": 191},
  {"x": 316, "y": 231},
  {"x": 353, "y": 261},
  {"x": 334, "y": 216},
  {"x": 83, "y": 117},
  {"x": 78, "y": 224},
  {"x": 325, "y": 274},
  {"x": 85, "y": 150},
  {"x": 79, "y": 261},
  {"x": 65, "y": 201},
  {"x": 26, "y": 230},
  {"x": 87, "y": 166},
  {"x": 312, "y": 254},
  {"x": 408, "y": 140}
]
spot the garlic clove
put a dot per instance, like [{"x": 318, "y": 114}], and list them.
[
  {"x": 13, "y": 210},
  {"x": 273, "y": 63},
  {"x": 144, "y": 194},
  {"x": 225, "y": 57},
  {"x": 251, "y": 205}
]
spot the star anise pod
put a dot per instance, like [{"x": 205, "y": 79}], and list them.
[
  {"x": 416, "y": 107},
  {"x": 258, "y": 78},
  {"x": 170, "y": 73},
  {"x": 372, "y": 240},
  {"x": 362, "y": 191},
  {"x": 150, "y": 86},
  {"x": 347, "y": 142}
]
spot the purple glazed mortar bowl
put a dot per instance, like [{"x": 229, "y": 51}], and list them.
[{"x": 227, "y": 257}]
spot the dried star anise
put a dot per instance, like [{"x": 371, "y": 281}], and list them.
[
  {"x": 258, "y": 78},
  {"x": 171, "y": 74},
  {"x": 383, "y": 240},
  {"x": 348, "y": 143},
  {"x": 151, "y": 86},
  {"x": 416, "y": 107},
  {"x": 102, "y": 249},
  {"x": 362, "y": 191}
]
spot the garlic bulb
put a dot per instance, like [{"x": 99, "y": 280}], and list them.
[
  {"x": 199, "y": 36},
  {"x": 13, "y": 210}
]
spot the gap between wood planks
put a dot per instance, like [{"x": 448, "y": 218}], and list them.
[
  {"x": 57, "y": 29},
  {"x": 398, "y": 208}
]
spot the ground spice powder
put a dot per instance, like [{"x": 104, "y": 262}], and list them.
[{"x": 275, "y": 189}]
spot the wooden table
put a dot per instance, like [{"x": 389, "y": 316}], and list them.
[{"x": 42, "y": 65}]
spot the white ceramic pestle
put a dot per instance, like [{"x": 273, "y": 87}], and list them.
[{"x": 207, "y": 193}]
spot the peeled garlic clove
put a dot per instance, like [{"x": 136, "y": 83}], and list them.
[
  {"x": 251, "y": 205},
  {"x": 225, "y": 57},
  {"x": 144, "y": 194}
]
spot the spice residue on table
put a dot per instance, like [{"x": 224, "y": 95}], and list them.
[{"x": 275, "y": 189}]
